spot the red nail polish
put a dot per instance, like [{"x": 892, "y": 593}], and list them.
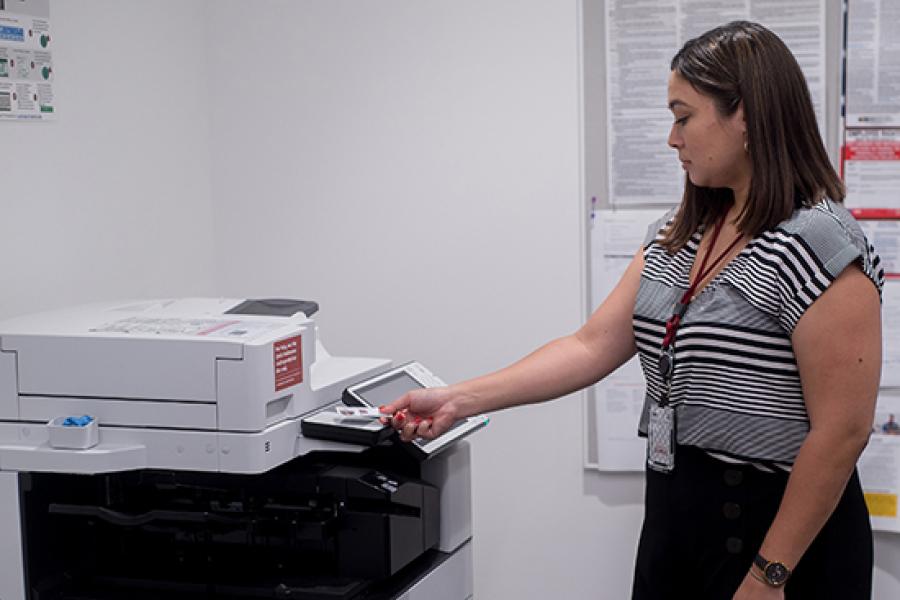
[
  {"x": 418, "y": 420},
  {"x": 400, "y": 416}
]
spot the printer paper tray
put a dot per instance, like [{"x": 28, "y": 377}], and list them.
[{"x": 310, "y": 589}]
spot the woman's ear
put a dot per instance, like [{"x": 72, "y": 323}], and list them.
[
  {"x": 740, "y": 123},
  {"x": 738, "y": 117}
]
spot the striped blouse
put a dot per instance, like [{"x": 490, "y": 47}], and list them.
[{"x": 736, "y": 388}]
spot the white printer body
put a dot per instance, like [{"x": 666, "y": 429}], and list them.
[{"x": 188, "y": 385}]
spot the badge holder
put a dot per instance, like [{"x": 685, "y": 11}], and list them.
[
  {"x": 661, "y": 429},
  {"x": 661, "y": 439}
]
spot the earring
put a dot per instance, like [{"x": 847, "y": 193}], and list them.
[{"x": 746, "y": 147}]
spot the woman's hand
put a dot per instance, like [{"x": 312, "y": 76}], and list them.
[
  {"x": 754, "y": 589},
  {"x": 425, "y": 413}
]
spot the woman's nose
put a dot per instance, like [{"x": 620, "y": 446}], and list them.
[{"x": 674, "y": 140}]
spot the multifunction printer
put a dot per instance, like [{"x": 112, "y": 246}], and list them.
[{"x": 156, "y": 449}]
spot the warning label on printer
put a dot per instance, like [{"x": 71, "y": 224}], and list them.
[{"x": 288, "y": 363}]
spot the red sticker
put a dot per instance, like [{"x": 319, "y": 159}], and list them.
[
  {"x": 876, "y": 213},
  {"x": 288, "y": 363}
]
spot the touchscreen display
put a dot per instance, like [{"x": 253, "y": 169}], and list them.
[{"x": 388, "y": 389}]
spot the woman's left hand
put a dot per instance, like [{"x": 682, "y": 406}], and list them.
[{"x": 753, "y": 589}]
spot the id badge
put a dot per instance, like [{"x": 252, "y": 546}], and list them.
[{"x": 661, "y": 439}]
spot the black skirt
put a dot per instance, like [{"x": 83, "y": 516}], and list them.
[{"x": 705, "y": 521}]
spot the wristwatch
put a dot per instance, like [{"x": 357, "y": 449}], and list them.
[{"x": 775, "y": 573}]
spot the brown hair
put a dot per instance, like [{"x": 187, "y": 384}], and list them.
[{"x": 745, "y": 62}]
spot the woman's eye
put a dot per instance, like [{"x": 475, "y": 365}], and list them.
[{"x": 681, "y": 121}]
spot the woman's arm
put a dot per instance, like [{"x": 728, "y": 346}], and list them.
[
  {"x": 562, "y": 366},
  {"x": 837, "y": 343}
]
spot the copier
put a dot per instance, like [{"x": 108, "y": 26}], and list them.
[{"x": 154, "y": 449}]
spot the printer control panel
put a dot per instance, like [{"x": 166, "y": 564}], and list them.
[{"x": 388, "y": 386}]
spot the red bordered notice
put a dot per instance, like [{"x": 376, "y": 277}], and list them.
[
  {"x": 870, "y": 161},
  {"x": 288, "y": 356}
]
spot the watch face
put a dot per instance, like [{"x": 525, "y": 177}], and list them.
[{"x": 777, "y": 573}]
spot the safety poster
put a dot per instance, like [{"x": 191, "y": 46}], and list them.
[{"x": 26, "y": 61}]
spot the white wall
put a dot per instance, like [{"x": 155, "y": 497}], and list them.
[
  {"x": 112, "y": 199},
  {"x": 414, "y": 166}
]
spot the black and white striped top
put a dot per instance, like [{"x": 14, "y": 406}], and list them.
[{"x": 736, "y": 389}]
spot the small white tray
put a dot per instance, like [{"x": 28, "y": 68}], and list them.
[{"x": 73, "y": 437}]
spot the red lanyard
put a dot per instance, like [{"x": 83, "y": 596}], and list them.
[{"x": 682, "y": 306}]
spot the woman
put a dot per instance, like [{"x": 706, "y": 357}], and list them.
[{"x": 755, "y": 310}]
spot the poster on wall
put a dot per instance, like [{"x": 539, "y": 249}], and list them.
[
  {"x": 890, "y": 334},
  {"x": 879, "y": 465},
  {"x": 870, "y": 162},
  {"x": 641, "y": 39},
  {"x": 873, "y": 70},
  {"x": 616, "y": 235},
  {"x": 26, "y": 61}
]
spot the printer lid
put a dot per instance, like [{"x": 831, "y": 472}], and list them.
[{"x": 178, "y": 319}]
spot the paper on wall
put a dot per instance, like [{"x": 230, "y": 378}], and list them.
[
  {"x": 26, "y": 62},
  {"x": 871, "y": 168},
  {"x": 879, "y": 465},
  {"x": 890, "y": 334},
  {"x": 616, "y": 235},
  {"x": 641, "y": 39},
  {"x": 873, "y": 69}
]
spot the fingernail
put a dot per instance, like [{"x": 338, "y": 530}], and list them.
[
  {"x": 381, "y": 408},
  {"x": 430, "y": 419},
  {"x": 400, "y": 416},
  {"x": 418, "y": 419}
]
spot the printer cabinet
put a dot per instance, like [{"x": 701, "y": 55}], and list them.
[{"x": 323, "y": 526}]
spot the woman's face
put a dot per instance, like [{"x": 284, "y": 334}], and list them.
[{"x": 710, "y": 146}]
